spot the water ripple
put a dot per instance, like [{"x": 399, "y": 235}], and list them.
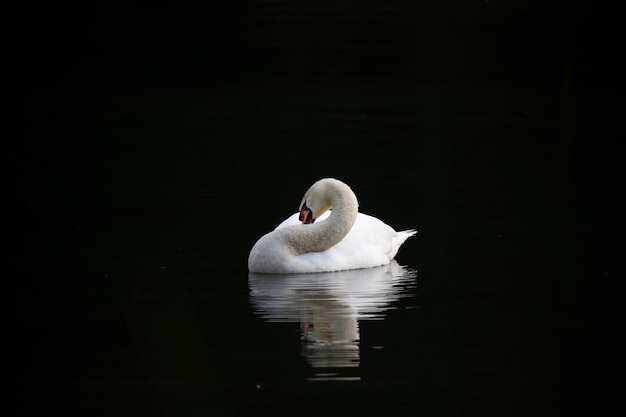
[{"x": 328, "y": 307}]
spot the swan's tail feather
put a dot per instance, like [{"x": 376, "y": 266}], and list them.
[
  {"x": 398, "y": 240},
  {"x": 404, "y": 235}
]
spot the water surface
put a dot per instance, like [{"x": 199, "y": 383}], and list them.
[{"x": 328, "y": 308}]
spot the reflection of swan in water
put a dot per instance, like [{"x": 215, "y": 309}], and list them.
[{"x": 328, "y": 307}]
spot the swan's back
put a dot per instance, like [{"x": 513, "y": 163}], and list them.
[{"x": 369, "y": 243}]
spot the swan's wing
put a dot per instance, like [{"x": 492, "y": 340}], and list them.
[{"x": 373, "y": 238}]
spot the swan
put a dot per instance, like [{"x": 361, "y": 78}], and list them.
[{"x": 342, "y": 239}]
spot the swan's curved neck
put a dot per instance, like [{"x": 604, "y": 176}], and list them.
[{"x": 318, "y": 237}]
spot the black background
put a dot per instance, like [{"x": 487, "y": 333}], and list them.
[{"x": 134, "y": 125}]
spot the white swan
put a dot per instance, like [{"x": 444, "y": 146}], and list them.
[{"x": 343, "y": 239}]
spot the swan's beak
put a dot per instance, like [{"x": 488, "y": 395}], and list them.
[{"x": 306, "y": 215}]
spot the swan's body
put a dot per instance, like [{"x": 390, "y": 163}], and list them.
[{"x": 342, "y": 239}]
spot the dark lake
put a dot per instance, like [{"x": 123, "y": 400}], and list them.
[{"x": 154, "y": 146}]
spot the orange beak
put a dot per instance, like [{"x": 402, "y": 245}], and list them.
[{"x": 306, "y": 215}]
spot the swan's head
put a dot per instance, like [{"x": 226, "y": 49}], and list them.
[{"x": 315, "y": 202}]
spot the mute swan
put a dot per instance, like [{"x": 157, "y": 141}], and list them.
[{"x": 343, "y": 238}]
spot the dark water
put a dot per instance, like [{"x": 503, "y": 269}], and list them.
[{"x": 153, "y": 146}]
